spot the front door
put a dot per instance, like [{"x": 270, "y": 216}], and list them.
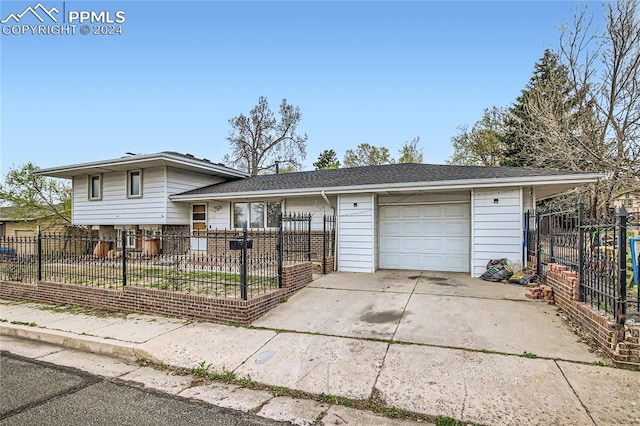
[{"x": 199, "y": 227}]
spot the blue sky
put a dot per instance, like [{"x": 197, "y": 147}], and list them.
[{"x": 376, "y": 72}]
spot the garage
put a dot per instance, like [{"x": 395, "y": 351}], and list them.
[{"x": 426, "y": 237}]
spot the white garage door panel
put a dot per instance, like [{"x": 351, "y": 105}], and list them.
[{"x": 425, "y": 237}]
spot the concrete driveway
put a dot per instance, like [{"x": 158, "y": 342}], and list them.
[{"x": 435, "y": 309}]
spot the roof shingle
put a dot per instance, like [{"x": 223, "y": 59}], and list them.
[{"x": 371, "y": 175}]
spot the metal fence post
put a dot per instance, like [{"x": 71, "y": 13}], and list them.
[
  {"x": 243, "y": 265},
  {"x": 581, "y": 249},
  {"x": 39, "y": 255},
  {"x": 279, "y": 248},
  {"x": 621, "y": 311},
  {"x": 538, "y": 246},
  {"x": 124, "y": 257},
  {"x": 309, "y": 238},
  {"x": 550, "y": 228},
  {"x": 324, "y": 244}
]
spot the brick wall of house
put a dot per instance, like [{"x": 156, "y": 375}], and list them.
[
  {"x": 163, "y": 302},
  {"x": 600, "y": 326},
  {"x": 176, "y": 244}
]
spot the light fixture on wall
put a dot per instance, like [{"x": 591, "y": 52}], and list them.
[{"x": 496, "y": 201}]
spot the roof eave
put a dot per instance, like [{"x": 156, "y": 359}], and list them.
[
  {"x": 68, "y": 171},
  {"x": 404, "y": 186}
]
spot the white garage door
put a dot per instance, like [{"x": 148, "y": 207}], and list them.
[{"x": 425, "y": 237}]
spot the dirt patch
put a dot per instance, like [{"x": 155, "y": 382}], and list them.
[
  {"x": 413, "y": 277},
  {"x": 381, "y": 317}
]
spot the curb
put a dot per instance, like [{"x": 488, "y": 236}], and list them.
[{"x": 66, "y": 339}]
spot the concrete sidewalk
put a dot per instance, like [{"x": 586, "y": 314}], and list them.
[{"x": 473, "y": 383}]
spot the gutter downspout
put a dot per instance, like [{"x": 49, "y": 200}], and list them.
[{"x": 326, "y": 200}]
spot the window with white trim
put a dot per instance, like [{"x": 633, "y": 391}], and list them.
[
  {"x": 134, "y": 184},
  {"x": 256, "y": 214},
  {"x": 95, "y": 187}
]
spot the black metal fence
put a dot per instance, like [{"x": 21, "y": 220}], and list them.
[
  {"x": 328, "y": 242},
  {"x": 601, "y": 250},
  {"x": 221, "y": 263}
]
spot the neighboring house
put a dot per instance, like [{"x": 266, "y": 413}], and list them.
[
  {"x": 630, "y": 200},
  {"x": 400, "y": 216},
  {"x": 12, "y": 225},
  {"x": 17, "y": 232}
]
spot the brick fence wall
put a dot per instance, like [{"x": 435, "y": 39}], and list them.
[
  {"x": 622, "y": 343},
  {"x": 163, "y": 302}
]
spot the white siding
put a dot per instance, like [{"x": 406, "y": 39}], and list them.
[
  {"x": 497, "y": 226},
  {"x": 219, "y": 214},
  {"x": 376, "y": 230},
  {"x": 423, "y": 198},
  {"x": 316, "y": 206},
  {"x": 115, "y": 208},
  {"x": 180, "y": 181},
  {"x": 154, "y": 208},
  {"x": 355, "y": 233}
]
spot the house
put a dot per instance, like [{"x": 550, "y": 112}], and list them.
[
  {"x": 400, "y": 216},
  {"x": 14, "y": 223},
  {"x": 629, "y": 199},
  {"x": 132, "y": 193}
]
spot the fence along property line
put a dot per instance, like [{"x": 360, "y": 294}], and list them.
[
  {"x": 237, "y": 264},
  {"x": 597, "y": 249}
]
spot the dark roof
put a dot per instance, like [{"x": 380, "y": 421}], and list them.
[{"x": 372, "y": 175}]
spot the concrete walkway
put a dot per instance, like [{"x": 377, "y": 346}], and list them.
[{"x": 434, "y": 344}]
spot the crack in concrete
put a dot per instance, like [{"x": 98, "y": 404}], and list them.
[
  {"x": 404, "y": 309},
  {"x": 464, "y": 401},
  {"x": 390, "y": 342},
  {"x": 584, "y": 407},
  {"x": 87, "y": 380},
  {"x": 254, "y": 353},
  {"x": 363, "y": 290}
]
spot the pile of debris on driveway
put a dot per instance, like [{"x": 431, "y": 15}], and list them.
[{"x": 501, "y": 270}]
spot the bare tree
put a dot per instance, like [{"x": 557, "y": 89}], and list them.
[
  {"x": 258, "y": 140},
  {"x": 598, "y": 129}
]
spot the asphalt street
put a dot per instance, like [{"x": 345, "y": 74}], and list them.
[{"x": 34, "y": 392}]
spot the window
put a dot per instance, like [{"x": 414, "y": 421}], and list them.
[
  {"x": 256, "y": 214},
  {"x": 134, "y": 184},
  {"x": 95, "y": 187},
  {"x": 627, "y": 202}
]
